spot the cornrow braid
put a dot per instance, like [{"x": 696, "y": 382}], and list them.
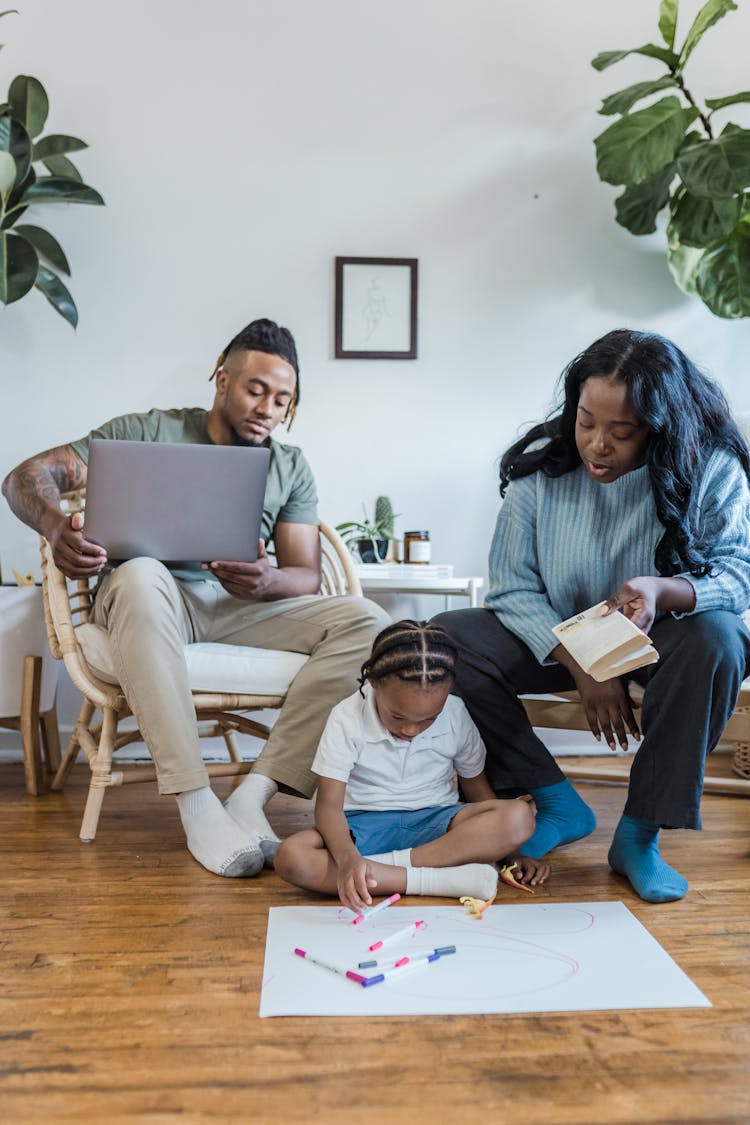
[
  {"x": 266, "y": 336},
  {"x": 413, "y": 651}
]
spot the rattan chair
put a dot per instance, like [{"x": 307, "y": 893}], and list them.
[{"x": 67, "y": 607}]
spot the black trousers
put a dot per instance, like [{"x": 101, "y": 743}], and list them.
[{"x": 690, "y": 694}]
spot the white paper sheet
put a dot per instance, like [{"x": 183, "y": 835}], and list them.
[{"x": 530, "y": 957}]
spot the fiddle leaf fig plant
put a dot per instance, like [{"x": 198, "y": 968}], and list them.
[
  {"x": 669, "y": 155},
  {"x": 31, "y": 257}
]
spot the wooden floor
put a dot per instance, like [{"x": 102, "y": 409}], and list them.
[{"x": 130, "y": 987}]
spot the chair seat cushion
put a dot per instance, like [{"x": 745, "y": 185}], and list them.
[{"x": 211, "y": 667}]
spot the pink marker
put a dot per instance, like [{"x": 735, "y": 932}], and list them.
[
  {"x": 409, "y": 931},
  {"x": 374, "y": 909},
  {"x": 331, "y": 968}
]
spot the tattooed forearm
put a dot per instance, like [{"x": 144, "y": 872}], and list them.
[{"x": 33, "y": 488}]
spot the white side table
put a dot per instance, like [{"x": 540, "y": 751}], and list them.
[
  {"x": 400, "y": 578},
  {"x": 28, "y": 682}
]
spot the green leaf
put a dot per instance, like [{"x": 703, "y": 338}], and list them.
[
  {"x": 709, "y": 14},
  {"x": 29, "y": 103},
  {"x": 698, "y": 221},
  {"x": 58, "y": 296},
  {"x": 639, "y": 204},
  {"x": 609, "y": 58},
  {"x": 61, "y": 166},
  {"x": 7, "y": 173},
  {"x": 622, "y": 101},
  {"x": 15, "y": 140},
  {"x": 45, "y": 245},
  {"x": 683, "y": 263},
  {"x": 640, "y": 144},
  {"x": 717, "y": 168},
  {"x": 723, "y": 275},
  {"x": 668, "y": 21},
  {"x": 732, "y": 99},
  {"x": 55, "y": 189},
  {"x": 55, "y": 145},
  {"x": 18, "y": 267}
]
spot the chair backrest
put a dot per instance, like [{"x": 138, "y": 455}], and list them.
[{"x": 68, "y": 604}]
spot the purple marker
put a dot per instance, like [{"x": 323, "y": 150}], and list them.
[
  {"x": 414, "y": 963},
  {"x": 332, "y": 968}
]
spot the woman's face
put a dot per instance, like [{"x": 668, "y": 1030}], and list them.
[{"x": 610, "y": 438}]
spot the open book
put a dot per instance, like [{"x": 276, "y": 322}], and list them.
[{"x": 605, "y": 646}]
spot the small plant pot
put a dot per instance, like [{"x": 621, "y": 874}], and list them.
[{"x": 366, "y": 549}]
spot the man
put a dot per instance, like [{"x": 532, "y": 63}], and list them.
[{"x": 151, "y": 612}]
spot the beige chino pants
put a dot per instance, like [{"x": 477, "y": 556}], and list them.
[{"x": 150, "y": 616}]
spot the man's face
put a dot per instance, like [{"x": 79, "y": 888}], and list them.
[{"x": 253, "y": 393}]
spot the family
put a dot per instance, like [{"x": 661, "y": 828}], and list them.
[{"x": 634, "y": 492}]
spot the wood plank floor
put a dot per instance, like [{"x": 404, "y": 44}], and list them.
[{"x": 130, "y": 988}]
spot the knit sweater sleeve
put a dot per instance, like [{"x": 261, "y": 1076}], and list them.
[
  {"x": 725, "y": 519},
  {"x": 517, "y": 594}
]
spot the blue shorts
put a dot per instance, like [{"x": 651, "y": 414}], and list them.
[{"x": 388, "y": 829}]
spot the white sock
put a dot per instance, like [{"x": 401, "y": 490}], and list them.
[
  {"x": 476, "y": 879},
  {"x": 213, "y": 838},
  {"x": 396, "y": 859},
  {"x": 245, "y": 807}
]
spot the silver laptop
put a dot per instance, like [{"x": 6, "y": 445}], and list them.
[{"x": 174, "y": 502}]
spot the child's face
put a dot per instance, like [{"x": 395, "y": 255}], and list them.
[{"x": 406, "y": 709}]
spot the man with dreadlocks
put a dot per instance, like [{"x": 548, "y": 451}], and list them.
[
  {"x": 152, "y": 611},
  {"x": 387, "y": 813}
]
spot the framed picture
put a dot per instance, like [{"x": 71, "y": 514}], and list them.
[{"x": 376, "y": 308}]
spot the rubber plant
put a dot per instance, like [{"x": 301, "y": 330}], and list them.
[
  {"x": 31, "y": 257},
  {"x": 672, "y": 156}
]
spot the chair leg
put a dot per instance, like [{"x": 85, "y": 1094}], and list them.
[
  {"x": 101, "y": 776},
  {"x": 84, "y": 718},
  {"x": 32, "y": 753},
  {"x": 51, "y": 739},
  {"x": 741, "y": 759}
]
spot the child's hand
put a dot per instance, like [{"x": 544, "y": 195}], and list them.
[
  {"x": 531, "y": 872},
  {"x": 354, "y": 882}
]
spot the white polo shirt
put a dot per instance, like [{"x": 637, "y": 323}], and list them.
[{"x": 383, "y": 772}]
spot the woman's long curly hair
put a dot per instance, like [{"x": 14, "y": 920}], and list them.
[{"x": 688, "y": 417}]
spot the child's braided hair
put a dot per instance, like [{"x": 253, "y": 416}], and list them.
[{"x": 413, "y": 651}]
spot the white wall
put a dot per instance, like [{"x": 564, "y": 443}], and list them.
[{"x": 241, "y": 146}]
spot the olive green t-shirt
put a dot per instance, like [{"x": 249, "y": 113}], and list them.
[{"x": 290, "y": 495}]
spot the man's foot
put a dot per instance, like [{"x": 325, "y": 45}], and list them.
[
  {"x": 245, "y": 806},
  {"x": 561, "y": 817},
  {"x": 635, "y": 854},
  {"x": 214, "y": 839}
]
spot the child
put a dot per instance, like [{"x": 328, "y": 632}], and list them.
[{"x": 386, "y": 812}]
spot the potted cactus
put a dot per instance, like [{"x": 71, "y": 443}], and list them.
[{"x": 371, "y": 539}]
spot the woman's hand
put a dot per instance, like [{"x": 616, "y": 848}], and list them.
[
  {"x": 609, "y": 710},
  {"x": 637, "y": 598},
  {"x": 355, "y": 879}
]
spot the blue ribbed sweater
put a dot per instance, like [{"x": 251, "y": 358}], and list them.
[{"x": 563, "y": 544}]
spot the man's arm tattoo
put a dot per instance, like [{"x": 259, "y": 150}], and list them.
[{"x": 35, "y": 486}]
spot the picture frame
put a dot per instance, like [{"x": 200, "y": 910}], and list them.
[{"x": 376, "y": 308}]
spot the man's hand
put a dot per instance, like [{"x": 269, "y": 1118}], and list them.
[
  {"x": 247, "y": 580},
  {"x": 609, "y": 710},
  {"x": 354, "y": 882},
  {"x": 637, "y": 598},
  {"x": 73, "y": 553}
]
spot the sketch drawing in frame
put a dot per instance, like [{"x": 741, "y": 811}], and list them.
[{"x": 376, "y": 308}]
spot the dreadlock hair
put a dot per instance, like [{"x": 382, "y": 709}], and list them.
[
  {"x": 266, "y": 336},
  {"x": 689, "y": 419},
  {"x": 414, "y": 651}
]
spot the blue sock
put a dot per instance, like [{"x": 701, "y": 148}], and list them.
[
  {"x": 635, "y": 854},
  {"x": 561, "y": 817}
]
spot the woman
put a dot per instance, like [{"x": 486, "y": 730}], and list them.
[{"x": 635, "y": 493}]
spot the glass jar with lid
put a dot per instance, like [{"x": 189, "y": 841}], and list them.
[{"x": 416, "y": 546}]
